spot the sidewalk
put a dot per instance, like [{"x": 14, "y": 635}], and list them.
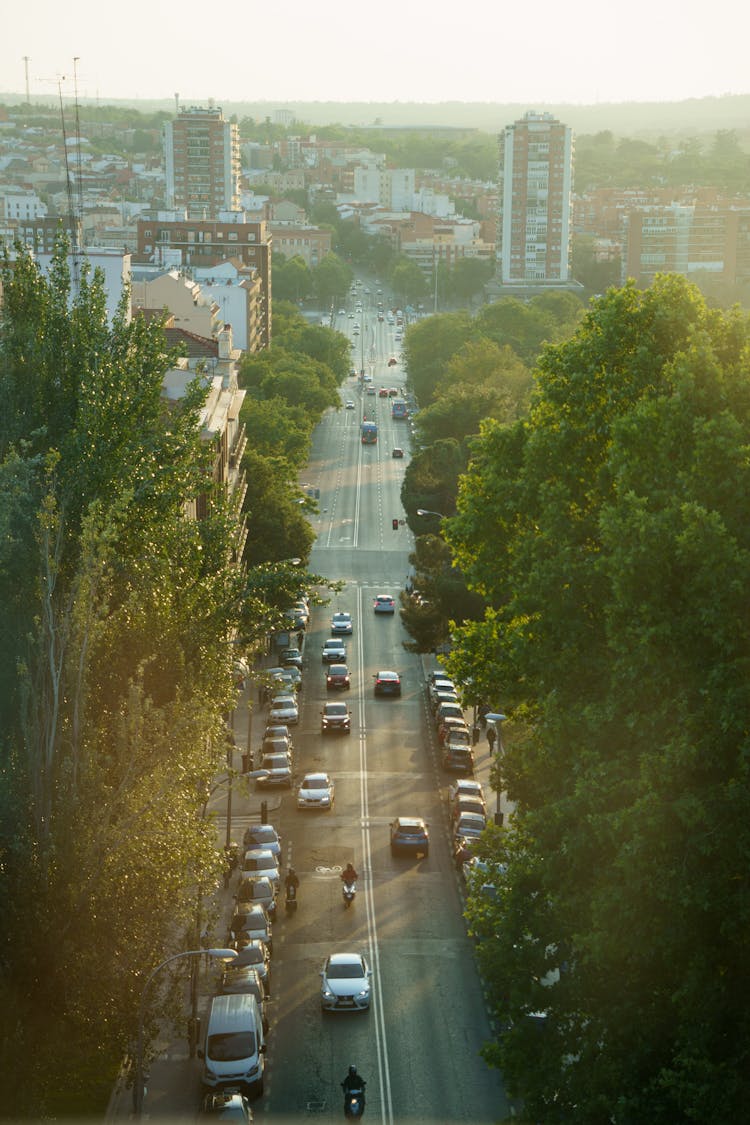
[{"x": 173, "y": 1087}]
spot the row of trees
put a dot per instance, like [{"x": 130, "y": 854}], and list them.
[
  {"x": 117, "y": 663},
  {"x": 606, "y": 531}
]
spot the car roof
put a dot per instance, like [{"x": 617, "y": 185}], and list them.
[
  {"x": 335, "y": 707},
  {"x": 411, "y": 821},
  {"x": 322, "y": 777},
  {"x": 388, "y": 675},
  {"x": 344, "y": 958},
  {"x": 337, "y": 669}
]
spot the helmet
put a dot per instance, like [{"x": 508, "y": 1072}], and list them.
[
  {"x": 291, "y": 871},
  {"x": 352, "y": 1071}
]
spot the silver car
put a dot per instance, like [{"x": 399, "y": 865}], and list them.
[
  {"x": 316, "y": 792},
  {"x": 345, "y": 983},
  {"x": 284, "y": 709}
]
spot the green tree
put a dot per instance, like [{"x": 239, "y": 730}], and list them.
[
  {"x": 332, "y": 279},
  {"x": 408, "y": 282},
  {"x": 468, "y": 278},
  {"x": 428, "y": 346},
  {"x": 608, "y": 531},
  {"x": 117, "y": 670},
  {"x": 292, "y": 279}
]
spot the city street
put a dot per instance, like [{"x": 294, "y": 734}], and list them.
[{"x": 418, "y": 1045}]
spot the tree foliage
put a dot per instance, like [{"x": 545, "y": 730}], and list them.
[
  {"x": 116, "y": 670},
  {"x": 609, "y": 532}
]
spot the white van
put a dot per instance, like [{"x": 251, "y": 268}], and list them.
[{"x": 234, "y": 1051}]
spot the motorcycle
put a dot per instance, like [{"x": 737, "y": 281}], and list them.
[
  {"x": 290, "y": 901},
  {"x": 349, "y": 891},
  {"x": 354, "y": 1101}
]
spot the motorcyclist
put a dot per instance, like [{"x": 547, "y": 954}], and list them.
[
  {"x": 291, "y": 882},
  {"x": 353, "y": 1081},
  {"x": 349, "y": 875}
]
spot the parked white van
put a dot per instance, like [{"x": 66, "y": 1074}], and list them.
[{"x": 234, "y": 1051}]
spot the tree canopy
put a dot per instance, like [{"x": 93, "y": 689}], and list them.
[{"x": 609, "y": 533}]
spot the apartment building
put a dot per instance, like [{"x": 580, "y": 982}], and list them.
[
  {"x": 689, "y": 239},
  {"x": 309, "y": 243},
  {"x": 202, "y": 159},
  {"x": 176, "y": 239},
  {"x": 534, "y": 192}
]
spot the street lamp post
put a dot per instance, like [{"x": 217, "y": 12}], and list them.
[
  {"x": 221, "y": 955},
  {"x": 427, "y": 512}
]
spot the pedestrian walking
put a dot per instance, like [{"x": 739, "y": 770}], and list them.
[{"x": 491, "y": 736}]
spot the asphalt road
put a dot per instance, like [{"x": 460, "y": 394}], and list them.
[{"x": 418, "y": 1046}]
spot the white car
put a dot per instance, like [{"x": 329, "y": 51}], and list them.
[
  {"x": 316, "y": 792},
  {"x": 465, "y": 787},
  {"x": 260, "y": 863},
  {"x": 341, "y": 623},
  {"x": 334, "y": 651},
  {"x": 350, "y": 404},
  {"x": 384, "y": 603},
  {"x": 284, "y": 709},
  {"x": 346, "y": 983}
]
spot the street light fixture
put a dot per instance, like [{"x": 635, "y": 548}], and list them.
[
  {"x": 427, "y": 512},
  {"x": 221, "y": 955}
]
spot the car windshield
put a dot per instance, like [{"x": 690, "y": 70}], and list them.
[
  {"x": 231, "y": 1046},
  {"x": 336, "y": 709},
  {"x": 313, "y": 783},
  {"x": 345, "y": 972}
]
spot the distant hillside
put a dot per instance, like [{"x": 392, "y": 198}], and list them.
[{"x": 642, "y": 119}]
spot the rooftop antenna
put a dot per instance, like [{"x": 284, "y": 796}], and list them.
[
  {"x": 79, "y": 170},
  {"x": 74, "y": 238},
  {"x": 177, "y": 104},
  {"x": 26, "y": 61}
]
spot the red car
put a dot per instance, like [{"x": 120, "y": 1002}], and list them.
[{"x": 337, "y": 677}]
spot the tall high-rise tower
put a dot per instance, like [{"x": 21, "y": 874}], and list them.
[
  {"x": 202, "y": 157},
  {"x": 535, "y": 184}
]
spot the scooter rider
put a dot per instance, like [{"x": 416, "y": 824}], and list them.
[
  {"x": 353, "y": 1081},
  {"x": 349, "y": 875},
  {"x": 291, "y": 882}
]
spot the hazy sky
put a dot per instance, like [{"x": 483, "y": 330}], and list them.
[{"x": 387, "y": 50}]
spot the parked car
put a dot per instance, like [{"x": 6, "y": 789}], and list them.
[
  {"x": 464, "y": 786},
  {"x": 284, "y": 709},
  {"x": 443, "y": 696},
  {"x": 246, "y": 981},
  {"x": 256, "y": 955},
  {"x": 335, "y": 717},
  {"x": 451, "y": 727},
  {"x": 384, "y": 603},
  {"x": 224, "y": 1105},
  {"x": 449, "y": 711},
  {"x": 341, "y": 623},
  {"x": 458, "y": 758},
  {"x": 291, "y": 658},
  {"x": 317, "y": 791},
  {"x": 274, "y": 772},
  {"x": 337, "y": 677},
  {"x": 387, "y": 683},
  {"x": 260, "y": 863},
  {"x": 468, "y": 804},
  {"x": 469, "y": 826},
  {"x": 334, "y": 651},
  {"x": 263, "y": 836},
  {"x": 276, "y": 744},
  {"x": 252, "y": 922},
  {"x": 258, "y": 890},
  {"x": 345, "y": 983},
  {"x": 410, "y": 834}
]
